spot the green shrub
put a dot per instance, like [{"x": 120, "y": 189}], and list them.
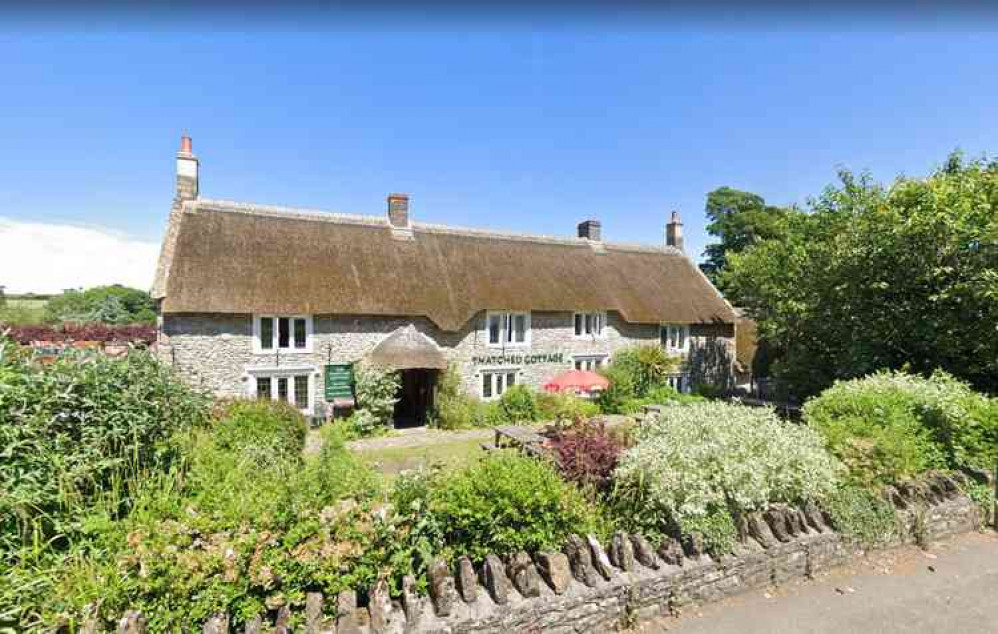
[
  {"x": 456, "y": 409},
  {"x": 891, "y": 426},
  {"x": 695, "y": 462},
  {"x": 634, "y": 373},
  {"x": 226, "y": 533},
  {"x": 662, "y": 395},
  {"x": 559, "y": 406},
  {"x": 507, "y": 503},
  {"x": 861, "y": 513},
  {"x": 269, "y": 425},
  {"x": 984, "y": 496},
  {"x": 519, "y": 405},
  {"x": 377, "y": 391},
  {"x": 78, "y": 430}
]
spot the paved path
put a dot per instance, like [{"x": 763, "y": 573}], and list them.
[{"x": 952, "y": 589}]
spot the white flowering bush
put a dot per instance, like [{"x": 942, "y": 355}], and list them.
[
  {"x": 697, "y": 466},
  {"x": 377, "y": 392}
]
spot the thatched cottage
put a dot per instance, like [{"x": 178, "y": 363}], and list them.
[{"x": 279, "y": 303}]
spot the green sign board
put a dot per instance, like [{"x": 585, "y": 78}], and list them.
[{"x": 339, "y": 381}]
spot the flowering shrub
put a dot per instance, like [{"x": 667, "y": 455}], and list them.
[
  {"x": 890, "y": 426},
  {"x": 703, "y": 459},
  {"x": 587, "y": 453},
  {"x": 377, "y": 392}
]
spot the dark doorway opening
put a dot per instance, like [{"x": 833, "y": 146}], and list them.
[{"x": 415, "y": 397}]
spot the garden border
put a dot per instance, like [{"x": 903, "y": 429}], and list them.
[{"x": 589, "y": 588}]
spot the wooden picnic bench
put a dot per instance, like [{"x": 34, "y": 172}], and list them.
[{"x": 517, "y": 437}]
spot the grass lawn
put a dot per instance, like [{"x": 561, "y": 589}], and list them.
[{"x": 449, "y": 453}]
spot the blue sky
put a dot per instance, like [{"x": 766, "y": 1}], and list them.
[{"x": 520, "y": 128}]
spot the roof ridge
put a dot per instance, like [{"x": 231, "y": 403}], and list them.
[
  {"x": 255, "y": 209},
  {"x": 378, "y": 221}
]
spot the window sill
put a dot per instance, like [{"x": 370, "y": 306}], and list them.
[{"x": 283, "y": 351}]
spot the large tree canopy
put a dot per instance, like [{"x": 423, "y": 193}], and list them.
[
  {"x": 738, "y": 219},
  {"x": 881, "y": 277}
]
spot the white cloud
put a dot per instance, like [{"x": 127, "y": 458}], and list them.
[{"x": 47, "y": 258}]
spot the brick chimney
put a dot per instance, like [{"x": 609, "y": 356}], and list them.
[
  {"x": 398, "y": 210},
  {"x": 187, "y": 171},
  {"x": 674, "y": 232},
  {"x": 591, "y": 230}
]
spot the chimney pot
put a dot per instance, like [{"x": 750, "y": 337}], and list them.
[
  {"x": 187, "y": 171},
  {"x": 591, "y": 230},
  {"x": 398, "y": 210},
  {"x": 674, "y": 232}
]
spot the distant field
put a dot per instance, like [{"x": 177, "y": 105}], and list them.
[{"x": 20, "y": 310}]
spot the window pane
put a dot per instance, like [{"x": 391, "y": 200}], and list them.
[
  {"x": 282, "y": 389},
  {"x": 510, "y": 379},
  {"x": 663, "y": 335},
  {"x": 301, "y": 391},
  {"x": 499, "y": 388},
  {"x": 681, "y": 337},
  {"x": 578, "y": 365},
  {"x": 486, "y": 385},
  {"x": 507, "y": 327},
  {"x": 263, "y": 387},
  {"x": 494, "y": 328},
  {"x": 266, "y": 333},
  {"x": 283, "y": 332},
  {"x": 520, "y": 326},
  {"x": 589, "y": 323},
  {"x": 299, "y": 333},
  {"x": 578, "y": 324},
  {"x": 599, "y": 325}
]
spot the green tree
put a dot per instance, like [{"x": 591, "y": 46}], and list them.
[
  {"x": 876, "y": 277},
  {"x": 739, "y": 220},
  {"x": 106, "y": 304}
]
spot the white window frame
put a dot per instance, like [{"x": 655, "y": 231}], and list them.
[
  {"x": 597, "y": 317},
  {"x": 596, "y": 361},
  {"x": 505, "y": 384},
  {"x": 257, "y": 331},
  {"x": 505, "y": 318},
  {"x": 288, "y": 373},
  {"x": 684, "y": 332},
  {"x": 679, "y": 382}
]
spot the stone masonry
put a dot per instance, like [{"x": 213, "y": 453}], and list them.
[{"x": 216, "y": 350}]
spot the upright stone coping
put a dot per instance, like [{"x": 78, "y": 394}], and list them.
[{"x": 587, "y": 590}]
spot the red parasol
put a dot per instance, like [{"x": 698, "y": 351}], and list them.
[{"x": 577, "y": 381}]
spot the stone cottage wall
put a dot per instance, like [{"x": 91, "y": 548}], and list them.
[
  {"x": 216, "y": 350},
  {"x": 591, "y": 588}
]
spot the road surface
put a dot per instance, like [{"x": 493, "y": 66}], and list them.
[{"x": 952, "y": 588}]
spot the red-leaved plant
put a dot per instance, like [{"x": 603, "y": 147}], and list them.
[
  {"x": 586, "y": 453},
  {"x": 68, "y": 332}
]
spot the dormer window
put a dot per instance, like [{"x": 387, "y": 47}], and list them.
[
  {"x": 589, "y": 325},
  {"x": 508, "y": 329},
  {"x": 292, "y": 333}
]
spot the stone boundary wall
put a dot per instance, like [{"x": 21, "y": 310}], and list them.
[{"x": 591, "y": 587}]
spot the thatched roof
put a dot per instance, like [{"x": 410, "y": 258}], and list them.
[
  {"x": 233, "y": 258},
  {"x": 407, "y": 349}
]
